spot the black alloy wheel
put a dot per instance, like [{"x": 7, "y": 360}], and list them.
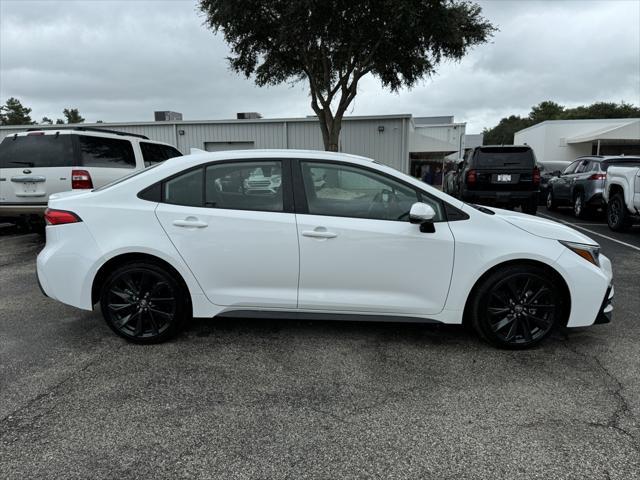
[
  {"x": 517, "y": 307},
  {"x": 143, "y": 303},
  {"x": 579, "y": 206}
]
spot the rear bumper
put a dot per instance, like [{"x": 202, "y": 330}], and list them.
[
  {"x": 499, "y": 197},
  {"x": 17, "y": 209}
]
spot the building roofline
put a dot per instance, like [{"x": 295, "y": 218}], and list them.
[
  {"x": 206, "y": 122},
  {"x": 578, "y": 120}
]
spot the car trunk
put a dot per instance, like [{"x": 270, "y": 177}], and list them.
[
  {"x": 33, "y": 166},
  {"x": 504, "y": 169}
]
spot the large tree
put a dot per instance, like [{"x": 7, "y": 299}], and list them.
[
  {"x": 333, "y": 44},
  {"x": 14, "y": 113},
  {"x": 72, "y": 115}
]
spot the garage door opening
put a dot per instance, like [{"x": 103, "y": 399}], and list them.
[{"x": 223, "y": 146}]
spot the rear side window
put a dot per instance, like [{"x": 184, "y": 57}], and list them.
[
  {"x": 106, "y": 152},
  {"x": 504, "y": 157},
  {"x": 185, "y": 189},
  {"x": 33, "y": 151},
  {"x": 153, "y": 153}
]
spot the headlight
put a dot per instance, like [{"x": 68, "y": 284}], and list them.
[{"x": 591, "y": 253}]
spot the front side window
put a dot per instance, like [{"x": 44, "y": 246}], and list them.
[
  {"x": 245, "y": 186},
  {"x": 571, "y": 168},
  {"x": 185, "y": 189},
  {"x": 106, "y": 152},
  {"x": 347, "y": 191}
]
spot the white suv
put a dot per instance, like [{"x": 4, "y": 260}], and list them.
[{"x": 36, "y": 164}]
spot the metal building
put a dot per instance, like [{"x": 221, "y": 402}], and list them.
[{"x": 390, "y": 139}]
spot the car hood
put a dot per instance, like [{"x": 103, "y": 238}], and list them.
[{"x": 542, "y": 227}]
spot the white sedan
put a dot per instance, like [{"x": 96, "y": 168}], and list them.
[{"x": 188, "y": 238}]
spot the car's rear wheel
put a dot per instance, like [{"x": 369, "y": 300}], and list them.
[
  {"x": 617, "y": 216},
  {"x": 579, "y": 205},
  {"x": 530, "y": 207},
  {"x": 516, "y": 307},
  {"x": 144, "y": 303},
  {"x": 551, "y": 201}
]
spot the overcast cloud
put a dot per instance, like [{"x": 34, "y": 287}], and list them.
[{"x": 121, "y": 60}]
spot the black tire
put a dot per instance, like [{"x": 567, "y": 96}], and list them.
[
  {"x": 552, "y": 204},
  {"x": 144, "y": 303},
  {"x": 531, "y": 206},
  {"x": 580, "y": 209},
  {"x": 516, "y": 307},
  {"x": 618, "y": 217}
]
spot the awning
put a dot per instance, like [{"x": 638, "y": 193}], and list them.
[
  {"x": 624, "y": 131},
  {"x": 424, "y": 143}
]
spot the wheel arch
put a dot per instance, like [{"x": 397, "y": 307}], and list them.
[
  {"x": 124, "y": 258},
  {"x": 557, "y": 276},
  {"x": 615, "y": 188}
]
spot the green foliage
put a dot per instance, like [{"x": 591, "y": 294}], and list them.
[
  {"x": 14, "y": 113},
  {"x": 72, "y": 115},
  {"x": 59, "y": 121},
  {"x": 503, "y": 132},
  {"x": 332, "y": 44},
  {"x": 46, "y": 121}
]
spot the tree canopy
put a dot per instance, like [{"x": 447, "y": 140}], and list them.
[
  {"x": 503, "y": 133},
  {"x": 72, "y": 115},
  {"x": 14, "y": 113},
  {"x": 332, "y": 44}
]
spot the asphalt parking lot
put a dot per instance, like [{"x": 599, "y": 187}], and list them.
[{"x": 286, "y": 399}]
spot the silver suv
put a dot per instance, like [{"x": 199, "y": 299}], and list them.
[{"x": 581, "y": 184}]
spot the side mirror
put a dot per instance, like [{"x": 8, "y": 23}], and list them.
[{"x": 423, "y": 215}]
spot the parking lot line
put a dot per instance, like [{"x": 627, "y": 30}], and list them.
[{"x": 576, "y": 225}]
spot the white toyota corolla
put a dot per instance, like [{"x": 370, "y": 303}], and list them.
[{"x": 302, "y": 234}]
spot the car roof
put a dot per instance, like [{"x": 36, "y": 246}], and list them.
[
  {"x": 93, "y": 132},
  {"x": 276, "y": 153},
  {"x": 506, "y": 147},
  {"x": 609, "y": 158}
]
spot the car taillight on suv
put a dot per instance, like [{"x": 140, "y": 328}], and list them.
[
  {"x": 472, "y": 176},
  {"x": 81, "y": 180},
  {"x": 535, "y": 176},
  {"x": 598, "y": 176}
]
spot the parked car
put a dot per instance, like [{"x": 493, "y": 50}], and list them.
[
  {"x": 549, "y": 170},
  {"x": 368, "y": 243},
  {"x": 581, "y": 184},
  {"x": 36, "y": 164},
  {"x": 500, "y": 175},
  {"x": 622, "y": 194}
]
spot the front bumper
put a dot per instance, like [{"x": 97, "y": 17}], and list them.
[{"x": 606, "y": 310}]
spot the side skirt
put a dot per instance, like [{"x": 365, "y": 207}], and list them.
[{"x": 325, "y": 316}]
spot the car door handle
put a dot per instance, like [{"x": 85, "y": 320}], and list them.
[
  {"x": 190, "y": 223},
  {"x": 319, "y": 234}
]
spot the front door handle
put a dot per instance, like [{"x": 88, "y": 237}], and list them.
[
  {"x": 190, "y": 222},
  {"x": 319, "y": 232}
]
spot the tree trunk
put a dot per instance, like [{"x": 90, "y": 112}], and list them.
[{"x": 330, "y": 127}]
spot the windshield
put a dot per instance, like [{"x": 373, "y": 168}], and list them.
[
  {"x": 125, "y": 178},
  {"x": 505, "y": 157}
]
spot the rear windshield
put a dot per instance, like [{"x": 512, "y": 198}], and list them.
[
  {"x": 33, "y": 151},
  {"x": 504, "y": 157},
  {"x": 622, "y": 162}
]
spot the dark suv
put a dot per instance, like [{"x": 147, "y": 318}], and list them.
[{"x": 503, "y": 176}]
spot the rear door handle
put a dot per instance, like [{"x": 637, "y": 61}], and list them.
[
  {"x": 190, "y": 222},
  {"x": 317, "y": 233}
]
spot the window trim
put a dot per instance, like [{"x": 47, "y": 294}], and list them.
[
  {"x": 300, "y": 195},
  {"x": 287, "y": 188}
]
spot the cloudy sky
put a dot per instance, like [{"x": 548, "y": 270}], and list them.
[{"x": 121, "y": 60}]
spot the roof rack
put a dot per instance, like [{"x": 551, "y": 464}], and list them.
[{"x": 94, "y": 129}]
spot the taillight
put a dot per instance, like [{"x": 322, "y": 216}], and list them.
[
  {"x": 598, "y": 176},
  {"x": 471, "y": 177},
  {"x": 60, "y": 217},
  {"x": 536, "y": 176},
  {"x": 80, "y": 180}
]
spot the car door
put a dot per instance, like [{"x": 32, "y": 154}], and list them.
[
  {"x": 358, "y": 251},
  {"x": 33, "y": 166},
  {"x": 562, "y": 186},
  {"x": 237, "y": 234}
]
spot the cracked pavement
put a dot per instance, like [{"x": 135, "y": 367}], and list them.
[{"x": 240, "y": 399}]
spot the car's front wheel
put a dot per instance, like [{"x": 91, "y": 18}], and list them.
[
  {"x": 144, "y": 303},
  {"x": 551, "y": 201},
  {"x": 516, "y": 306}
]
